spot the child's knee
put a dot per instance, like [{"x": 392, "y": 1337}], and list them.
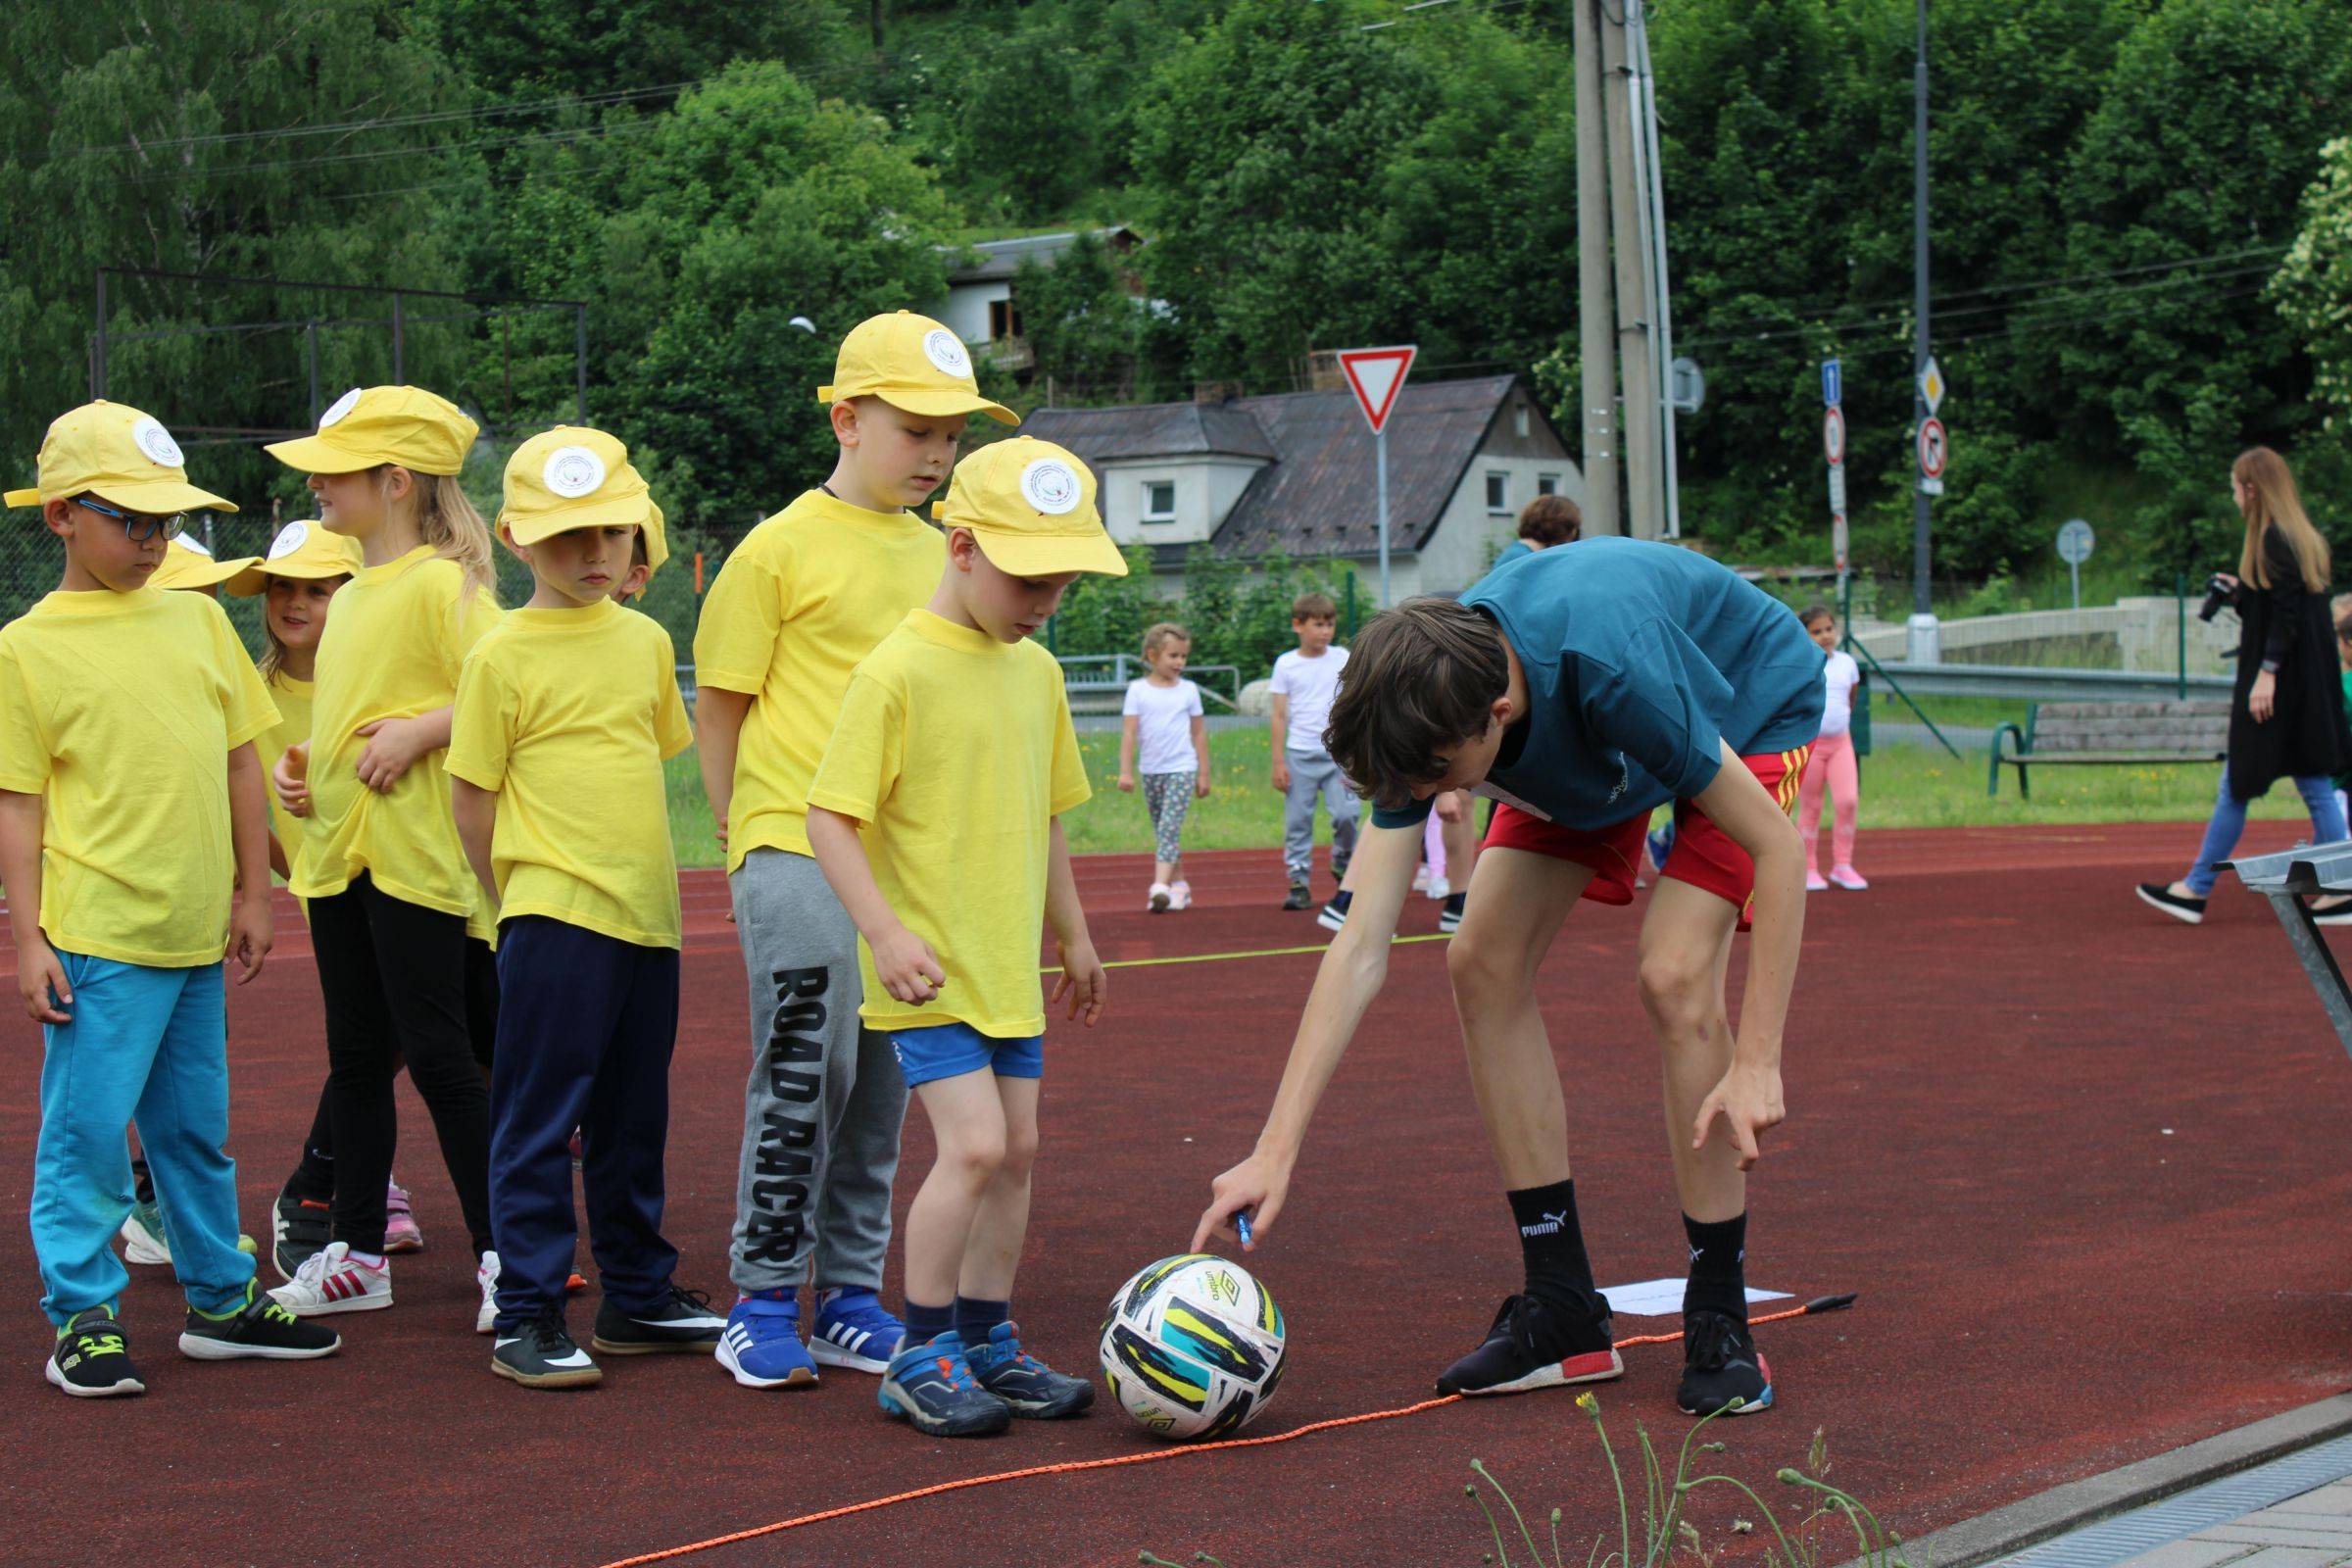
[
  {"x": 1488, "y": 971},
  {"x": 972, "y": 1158},
  {"x": 1020, "y": 1150},
  {"x": 1678, "y": 985}
]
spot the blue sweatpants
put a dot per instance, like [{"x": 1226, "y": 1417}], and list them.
[
  {"x": 146, "y": 1045},
  {"x": 585, "y": 1028}
]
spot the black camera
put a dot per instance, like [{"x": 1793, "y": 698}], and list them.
[{"x": 2217, "y": 595}]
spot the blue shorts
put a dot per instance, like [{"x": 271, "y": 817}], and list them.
[{"x": 952, "y": 1050}]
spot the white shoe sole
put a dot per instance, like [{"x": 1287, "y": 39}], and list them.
[
  {"x": 127, "y": 1386},
  {"x": 196, "y": 1348},
  {"x": 1330, "y": 922},
  {"x": 356, "y": 1303},
  {"x": 2185, "y": 916},
  {"x": 798, "y": 1378},
  {"x": 1551, "y": 1377},
  {"x": 826, "y": 1353},
  {"x": 137, "y": 1249}
]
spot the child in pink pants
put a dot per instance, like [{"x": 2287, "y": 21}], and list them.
[{"x": 1832, "y": 766}]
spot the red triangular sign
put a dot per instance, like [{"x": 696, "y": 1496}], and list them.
[{"x": 1376, "y": 376}]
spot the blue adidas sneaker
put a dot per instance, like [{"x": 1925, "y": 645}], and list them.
[
  {"x": 762, "y": 1345},
  {"x": 931, "y": 1386},
  {"x": 854, "y": 1329},
  {"x": 1030, "y": 1389}
]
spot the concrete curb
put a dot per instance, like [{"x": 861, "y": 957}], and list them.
[{"x": 2036, "y": 1519}]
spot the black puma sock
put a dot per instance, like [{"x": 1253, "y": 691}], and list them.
[
  {"x": 1553, "y": 1244},
  {"x": 1718, "y": 1266}
]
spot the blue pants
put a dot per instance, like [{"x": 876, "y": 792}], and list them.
[
  {"x": 2228, "y": 825},
  {"x": 148, "y": 1046},
  {"x": 585, "y": 1028}
]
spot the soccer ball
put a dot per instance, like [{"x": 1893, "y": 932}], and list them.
[{"x": 1192, "y": 1346}]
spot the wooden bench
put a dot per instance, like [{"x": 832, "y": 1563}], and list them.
[{"x": 2086, "y": 734}]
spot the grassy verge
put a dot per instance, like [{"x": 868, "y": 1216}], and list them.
[{"x": 1902, "y": 786}]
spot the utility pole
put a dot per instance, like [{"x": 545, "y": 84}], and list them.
[
  {"x": 1595, "y": 348},
  {"x": 1643, "y": 484},
  {"x": 1926, "y": 642}
]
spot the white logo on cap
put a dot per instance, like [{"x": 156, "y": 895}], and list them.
[
  {"x": 1051, "y": 486},
  {"x": 157, "y": 443},
  {"x": 946, "y": 350},
  {"x": 339, "y": 408},
  {"x": 193, "y": 546},
  {"x": 292, "y": 537},
  {"x": 573, "y": 471}
]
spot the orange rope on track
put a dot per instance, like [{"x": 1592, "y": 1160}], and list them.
[{"x": 1826, "y": 1303}]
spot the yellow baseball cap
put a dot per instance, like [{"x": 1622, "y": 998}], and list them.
[
  {"x": 574, "y": 477},
  {"x": 120, "y": 455},
  {"x": 304, "y": 549},
  {"x": 367, "y": 425},
  {"x": 187, "y": 564},
  {"x": 910, "y": 362},
  {"x": 1030, "y": 505}
]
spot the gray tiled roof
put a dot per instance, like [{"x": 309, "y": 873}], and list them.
[{"x": 1154, "y": 430}]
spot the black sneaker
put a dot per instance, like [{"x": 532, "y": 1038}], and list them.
[
  {"x": 1298, "y": 898},
  {"x": 92, "y": 1358},
  {"x": 540, "y": 1355},
  {"x": 259, "y": 1328},
  {"x": 684, "y": 1321},
  {"x": 1334, "y": 915},
  {"x": 1030, "y": 1389},
  {"x": 298, "y": 1229},
  {"x": 2160, "y": 895},
  {"x": 1534, "y": 1344},
  {"x": 1450, "y": 919},
  {"x": 1720, "y": 1365}
]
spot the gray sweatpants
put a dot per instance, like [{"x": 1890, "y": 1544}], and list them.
[
  {"x": 821, "y": 1114},
  {"x": 1313, "y": 774}
]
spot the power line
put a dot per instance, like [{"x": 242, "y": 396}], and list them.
[{"x": 527, "y": 106}]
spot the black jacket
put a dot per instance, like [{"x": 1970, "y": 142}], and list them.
[{"x": 2286, "y": 625}]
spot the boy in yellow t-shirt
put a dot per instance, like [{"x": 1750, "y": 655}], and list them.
[
  {"x": 804, "y": 598},
  {"x": 564, "y": 714},
  {"x": 132, "y": 848},
  {"x": 949, "y": 881}
]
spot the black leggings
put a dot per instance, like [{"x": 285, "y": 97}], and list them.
[{"x": 394, "y": 976}]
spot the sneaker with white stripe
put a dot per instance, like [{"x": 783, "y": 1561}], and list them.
[
  {"x": 540, "y": 1354},
  {"x": 331, "y": 1280},
  {"x": 854, "y": 1329}
]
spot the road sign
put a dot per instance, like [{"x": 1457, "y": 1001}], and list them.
[
  {"x": 1376, "y": 376},
  {"x": 1833, "y": 382},
  {"x": 1934, "y": 449},
  {"x": 1690, "y": 385},
  {"x": 1837, "y": 542},
  {"x": 1832, "y": 434},
  {"x": 1931, "y": 385},
  {"x": 2075, "y": 541},
  {"x": 1837, "y": 490}
]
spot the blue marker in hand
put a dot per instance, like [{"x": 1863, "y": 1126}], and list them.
[{"x": 1241, "y": 1223}]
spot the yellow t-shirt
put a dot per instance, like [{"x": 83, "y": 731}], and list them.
[
  {"x": 392, "y": 649},
  {"x": 804, "y": 598},
  {"x": 120, "y": 710},
  {"x": 293, "y": 727},
  {"x": 959, "y": 849},
  {"x": 568, "y": 715}
]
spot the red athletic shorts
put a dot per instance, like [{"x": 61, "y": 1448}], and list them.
[{"x": 1703, "y": 855}]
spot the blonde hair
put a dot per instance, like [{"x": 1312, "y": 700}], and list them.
[
  {"x": 447, "y": 520},
  {"x": 1161, "y": 633},
  {"x": 2272, "y": 502}
]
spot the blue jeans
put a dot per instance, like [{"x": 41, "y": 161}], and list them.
[
  {"x": 2228, "y": 824},
  {"x": 148, "y": 1046}
]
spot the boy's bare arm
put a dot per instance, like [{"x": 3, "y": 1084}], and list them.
[
  {"x": 1082, "y": 980},
  {"x": 719, "y": 715},
  {"x": 476, "y": 811},
  {"x": 250, "y": 933},
  {"x": 40, "y": 978},
  {"x": 908, "y": 967},
  {"x": 1281, "y": 735}
]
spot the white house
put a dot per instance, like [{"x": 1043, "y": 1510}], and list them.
[
  {"x": 980, "y": 305},
  {"x": 1292, "y": 474}
]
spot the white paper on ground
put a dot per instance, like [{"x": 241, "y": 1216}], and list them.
[{"x": 1664, "y": 1298}]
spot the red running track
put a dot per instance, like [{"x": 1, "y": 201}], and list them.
[{"x": 2088, "y": 1169}]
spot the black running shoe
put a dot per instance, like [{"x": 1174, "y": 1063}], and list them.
[
  {"x": 930, "y": 1385},
  {"x": 298, "y": 1229},
  {"x": 1298, "y": 898},
  {"x": 259, "y": 1328},
  {"x": 540, "y": 1355},
  {"x": 1334, "y": 915},
  {"x": 684, "y": 1321},
  {"x": 92, "y": 1358},
  {"x": 1030, "y": 1389},
  {"x": 1720, "y": 1365},
  {"x": 1450, "y": 919},
  {"x": 1534, "y": 1344},
  {"x": 2160, "y": 895}
]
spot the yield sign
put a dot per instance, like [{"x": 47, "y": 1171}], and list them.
[{"x": 1376, "y": 376}]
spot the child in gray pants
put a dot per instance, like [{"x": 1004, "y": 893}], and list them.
[{"x": 1305, "y": 683}]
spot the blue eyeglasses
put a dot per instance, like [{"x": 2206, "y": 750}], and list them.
[{"x": 137, "y": 526}]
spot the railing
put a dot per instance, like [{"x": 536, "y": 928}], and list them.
[{"x": 1105, "y": 674}]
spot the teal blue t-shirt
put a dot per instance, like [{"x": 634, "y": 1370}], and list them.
[{"x": 1643, "y": 659}]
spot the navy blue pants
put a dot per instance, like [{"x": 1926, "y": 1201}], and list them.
[{"x": 585, "y": 1028}]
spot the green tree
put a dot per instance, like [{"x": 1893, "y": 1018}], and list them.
[{"x": 2314, "y": 285}]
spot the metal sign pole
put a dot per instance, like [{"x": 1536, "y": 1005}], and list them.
[{"x": 1380, "y": 483}]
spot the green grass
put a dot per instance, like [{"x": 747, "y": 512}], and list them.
[{"x": 1902, "y": 786}]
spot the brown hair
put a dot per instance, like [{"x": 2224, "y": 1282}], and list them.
[
  {"x": 2273, "y": 503},
  {"x": 273, "y": 657},
  {"x": 1549, "y": 520},
  {"x": 1161, "y": 632},
  {"x": 1807, "y": 616},
  {"x": 1421, "y": 677},
  {"x": 1313, "y": 607}
]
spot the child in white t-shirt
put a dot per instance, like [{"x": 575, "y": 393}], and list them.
[
  {"x": 1165, "y": 721},
  {"x": 1832, "y": 766},
  {"x": 1305, "y": 680}
]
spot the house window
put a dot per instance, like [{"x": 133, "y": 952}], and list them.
[
  {"x": 1519, "y": 420},
  {"x": 1003, "y": 320},
  {"x": 1498, "y": 493},
  {"x": 1547, "y": 484},
  {"x": 1159, "y": 500}
]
